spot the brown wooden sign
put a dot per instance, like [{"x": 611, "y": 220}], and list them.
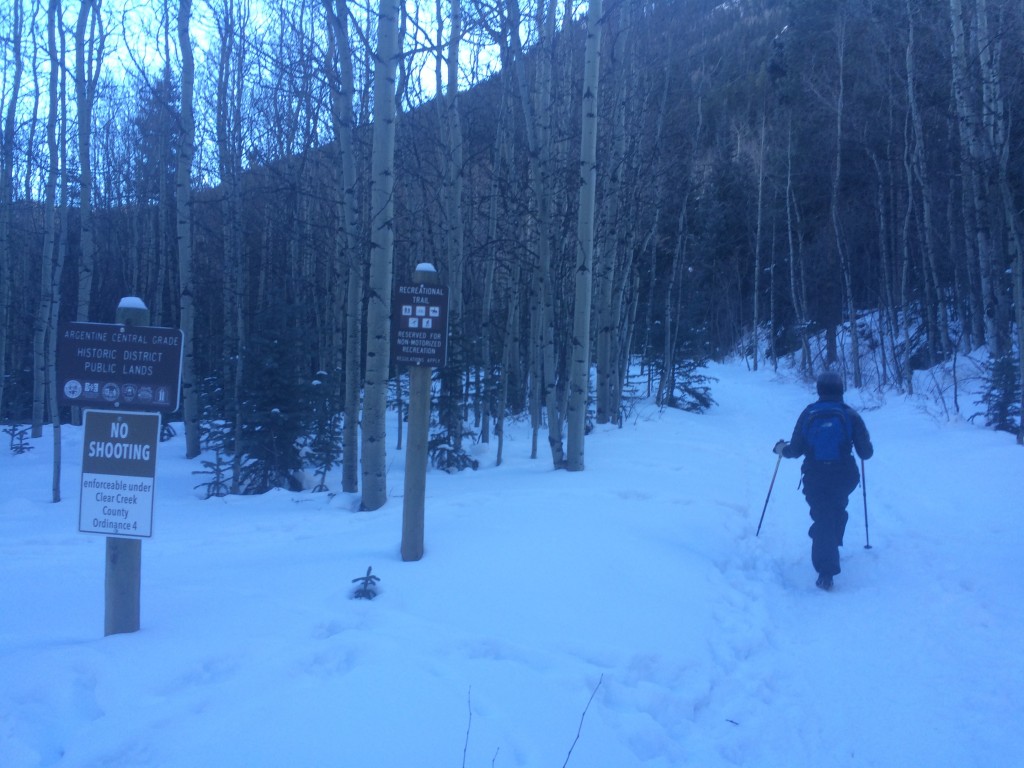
[{"x": 111, "y": 365}]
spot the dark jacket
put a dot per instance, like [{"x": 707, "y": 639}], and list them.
[{"x": 861, "y": 439}]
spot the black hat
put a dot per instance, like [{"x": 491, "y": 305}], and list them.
[{"x": 830, "y": 384}]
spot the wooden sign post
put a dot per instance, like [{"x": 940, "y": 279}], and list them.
[
  {"x": 420, "y": 334},
  {"x": 123, "y": 373},
  {"x": 122, "y": 586}
]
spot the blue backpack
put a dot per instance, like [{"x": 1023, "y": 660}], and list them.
[{"x": 827, "y": 432}]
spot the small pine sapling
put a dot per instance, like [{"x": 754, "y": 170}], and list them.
[
  {"x": 367, "y": 589},
  {"x": 19, "y": 439},
  {"x": 323, "y": 447},
  {"x": 216, "y": 435},
  {"x": 219, "y": 470}
]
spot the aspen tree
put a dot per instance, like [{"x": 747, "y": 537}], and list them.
[
  {"x": 938, "y": 314},
  {"x": 759, "y": 168},
  {"x": 10, "y": 119},
  {"x": 232, "y": 20},
  {"x": 975, "y": 161},
  {"x": 794, "y": 241},
  {"x": 183, "y": 192},
  {"x": 834, "y": 202},
  {"x": 579, "y": 379},
  {"x": 341, "y": 80},
  {"x": 89, "y": 44},
  {"x": 495, "y": 401},
  {"x": 55, "y": 49},
  {"x": 448, "y": 106},
  {"x": 382, "y": 245},
  {"x": 538, "y": 141},
  {"x": 613, "y": 252}
]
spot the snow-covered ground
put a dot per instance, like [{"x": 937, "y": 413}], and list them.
[{"x": 629, "y": 606}]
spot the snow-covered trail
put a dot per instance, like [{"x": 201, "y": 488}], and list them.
[
  {"x": 905, "y": 662},
  {"x": 638, "y": 581}
]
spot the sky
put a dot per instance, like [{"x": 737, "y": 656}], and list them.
[{"x": 626, "y": 615}]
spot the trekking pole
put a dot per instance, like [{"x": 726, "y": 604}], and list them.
[
  {"x": 772, "y": 485},
  {"x": 864, "y": 491}
]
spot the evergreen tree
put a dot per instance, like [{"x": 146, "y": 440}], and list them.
[
  {"x": 1002, "y": 395},
  {"x": 276, "y": 411}
]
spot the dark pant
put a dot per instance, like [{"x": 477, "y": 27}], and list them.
[{"x": 827, "y": 489}]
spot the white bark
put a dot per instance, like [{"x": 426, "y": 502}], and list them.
[
  {"x": 46, "y": 287},
  {"x": 453, "y": 230},
  {"x": 230, "y": 92},
  {"x": 89, "y": 43},
  {"x": 920, "y": 173},
  {"x": 7, "y": 183},
  {"x": 538, "y": 139},
  {"x": 579, "y": 378},
  {"x": 342, "y": 81},
  {"x": 797, "y": 285},
  {"x": 975, "y": 160},
  {"x": 183, "y": 191},
  {"x": 613, "y": 252},
  {"x": 759, "y": 165},
  {"x": 844, "y": 259},
  {"x": 382, "y": 245}
]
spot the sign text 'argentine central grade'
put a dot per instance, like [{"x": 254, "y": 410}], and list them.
[{"x": 110, "y": 365}]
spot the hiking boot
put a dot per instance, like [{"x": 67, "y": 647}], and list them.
[{"x": 824, "y": 582}]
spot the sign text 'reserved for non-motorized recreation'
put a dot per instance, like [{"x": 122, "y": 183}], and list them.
[{"x": 419, "y": 328}]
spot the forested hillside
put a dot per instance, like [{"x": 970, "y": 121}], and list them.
[{"x": 657, "y": 182}]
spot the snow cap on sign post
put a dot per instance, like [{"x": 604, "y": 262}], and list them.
[
  {"x": 132, "y": 302},
  {"x": 425, "y": 267}
]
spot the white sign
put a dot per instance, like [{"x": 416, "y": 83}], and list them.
[{"x": 118, "y": 468}]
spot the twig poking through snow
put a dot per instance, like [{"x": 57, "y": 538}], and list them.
[{"x": 582, "y": 717}]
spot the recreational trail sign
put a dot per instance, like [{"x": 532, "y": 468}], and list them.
[
  {"x": 419, "y": 329},
  {"x": 112, "y": 365}
]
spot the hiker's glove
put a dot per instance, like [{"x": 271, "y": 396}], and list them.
[{"x": 780, "y": 447}]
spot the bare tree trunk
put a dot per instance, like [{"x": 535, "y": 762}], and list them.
[
  {"x": 975, "y": 162},
  {"x": 46, "y": 287},
  {"x": 538, "y": 140},
  {"x": 796, "y": 282},
  {"x": 759, "y": 164},
  {"x": 88, "y": 62},
  {"x": 667, "y": 384},
  {"x": 501, "y": 171},
  {"x": 7, "y": 184},
  {"x": 614, "y": 249},
  {"x": 58, "y": 272},
  {"x": 511, "y": 344},
  {"x": 382, "y": 246},
  {"x": 1016, "y": 241},
  {"x": 653, "y": 237},
  {"x": 342, "y": 82},
  {"x": 579, "y": 379},
  {"x": 183, "y": 190},
  {"x": 844, "y": 259},
  {"x": 940, "y": 318},
  {"x": 888, "y": 311},
  {"x": 451, "y": 201},
  {"x": 232, "y": 26}
]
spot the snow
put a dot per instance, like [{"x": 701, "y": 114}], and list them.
[
  {"x": 131, "y": 302},
  {"x": 622, "y": 616}
]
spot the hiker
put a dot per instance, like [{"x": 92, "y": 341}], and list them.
[{"x": 825, "y": 435}]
